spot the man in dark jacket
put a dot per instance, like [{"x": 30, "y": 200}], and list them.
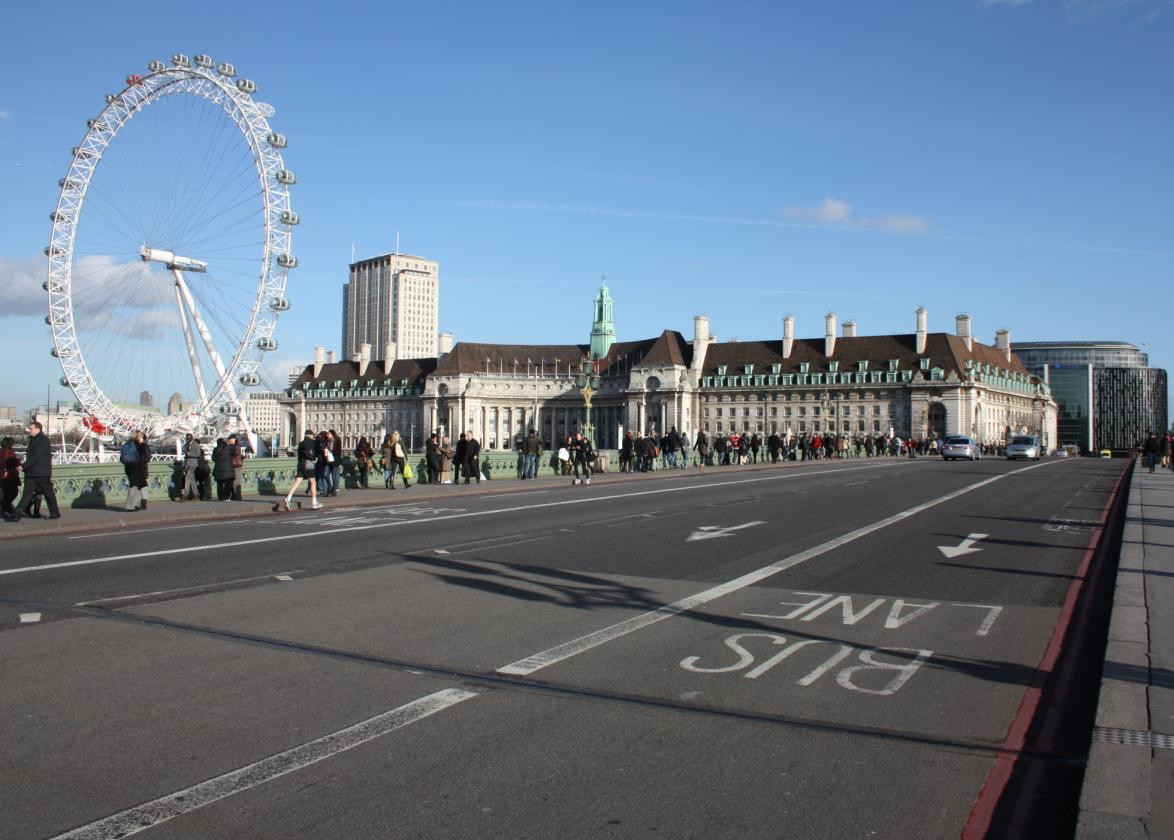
[
  {"x": 532, "y": 449},
  {"x": 472, "y": 461},
  {"x": 1150, "y": 448},
  {"x": 38, "y": 475}
]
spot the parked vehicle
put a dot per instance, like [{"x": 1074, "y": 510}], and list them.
[{"x": 961, "y": 447}]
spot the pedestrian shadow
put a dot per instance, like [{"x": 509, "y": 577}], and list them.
[
  {"x": 1147, "y": 572},
  {"x": 1128, "y": 672}
]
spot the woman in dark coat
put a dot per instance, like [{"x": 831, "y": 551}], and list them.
[
  {"x": 136, "y": 475},
  {"x": 223, "y": 470}
]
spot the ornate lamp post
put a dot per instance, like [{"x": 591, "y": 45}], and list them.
[{"x": 588, "y": 382}]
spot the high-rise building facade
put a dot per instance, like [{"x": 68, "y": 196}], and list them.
[
  {"x": 392, "y": 299},
  {"x": 1107, "y": 394}
]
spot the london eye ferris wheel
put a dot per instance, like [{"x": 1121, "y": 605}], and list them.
[{"x": 170, "y": 249}]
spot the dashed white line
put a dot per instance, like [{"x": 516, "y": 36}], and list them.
[
  {"x": 165, "y": 808},
  {"x": 578, "y": 500},
  {"x": 30, "y": 618}
]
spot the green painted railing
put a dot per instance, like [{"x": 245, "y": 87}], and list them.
[{"x": 99, "y": 485}]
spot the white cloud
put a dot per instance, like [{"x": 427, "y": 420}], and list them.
[
  {"x": 21, "y": 281},
  {"x": 836, "y": 212}
]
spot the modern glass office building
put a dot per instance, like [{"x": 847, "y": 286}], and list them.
[{"x": 1107, "y": 394}]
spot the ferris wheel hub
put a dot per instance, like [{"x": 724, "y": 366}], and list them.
[{"x": 173, "y": 261}]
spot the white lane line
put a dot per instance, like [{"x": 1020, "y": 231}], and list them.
[
  {"x": 301, "y": 535},
  {"x": 495, "y": 546},
  {"x": 519, "y": 493},
  {"x": 125, "y": 532},
  {"x": 150, "y": 814},
  {"x": 181, "y": 589},
  {"x": 30, "y": 618},
  {"x": 530, "y": 664}
]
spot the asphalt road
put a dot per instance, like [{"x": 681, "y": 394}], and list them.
[{"x": 761, "y": 653}]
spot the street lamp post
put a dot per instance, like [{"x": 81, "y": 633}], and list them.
[{"x": 588, "y": 382}]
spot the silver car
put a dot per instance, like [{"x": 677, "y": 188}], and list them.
[
  {"x": 961, "y": 447},
  {"x": 1024, "y": 446}
]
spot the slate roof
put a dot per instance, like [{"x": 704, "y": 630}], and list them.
[
  {"x": 944, "y": 350},
  {"x": 469, "y": 357},
  {"x": 413, "y": 370}
]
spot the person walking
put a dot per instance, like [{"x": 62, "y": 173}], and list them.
[
  {"x": 307, "y": 470},
  {"x": 1151, "y": 448},
  {"x": 237, "y": 449},
  {"x": 472, "y": 458},
  {"x": 446, "y": 459},
  {"x": 9, "y": 476},
  {"x": 582, "y": 455},
  {"x": 396, "y": 458},
  {"x": 38, "y": 475},
  {"x": 222, "y": 470},
  {"x": 363, "y": 456},
  {"x": 335, "y": 465},
  {"x": 432, "y": 458},
  {"x": 191, "y": 462},
  {"x": 135, "y": 456},
  {"x": 702, "y": 447},
  {"x": 1164, "y": 448}
]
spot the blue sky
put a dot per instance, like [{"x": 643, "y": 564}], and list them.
[{"x": 741, "y": 160}]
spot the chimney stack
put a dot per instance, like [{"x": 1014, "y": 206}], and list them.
[
  {"x": 700, "y": 342},
  {"x": 319, "y": 360},
  {"x": 1003, "y": 342},
  {"x": 829, "y": 335},
  {"x": 388, "y": 357},
  {"x": 849, "y": 329},
  {"x": 364, "y": 357},
  {"x": 922, "y": 329},
  {"x": 700, "y": 329},
  {"x": 330, "y": 357},
  {"x": 444, "y": 343},
  {"x": 963, "y": 322},
  {"x": 788, "y": 336}
]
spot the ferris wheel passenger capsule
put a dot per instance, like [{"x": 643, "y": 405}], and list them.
[
  {"x": 246, "y": 86},
  {"x": 204, "y": 61},
  {"x": 79, "y": 152},
  {"x": 180, "y": 60},
  {"x": 287, "y": 261},
  {"x": 289, "y": 217},
  {"x": 156, "y": 66},
  {"x": 65, "y": 383},
  {"x": 267, "y": 343},
  {"x": 277, "y": 141},
  {"x": 226, "y": 69},
  {"x": 110, "y": 97},
  {"x": 285, "y": 176},
  {"x": 279, "y": 304},
  {"x": 45, "y": 285},
  {"x": 250, "y": 379}
]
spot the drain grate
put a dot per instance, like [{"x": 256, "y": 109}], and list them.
[{"x": 1133, "y": 738}]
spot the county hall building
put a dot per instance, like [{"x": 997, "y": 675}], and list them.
[{"x": 910, "y": 385}]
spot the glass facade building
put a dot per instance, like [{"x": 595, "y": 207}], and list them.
[{"x": 1107, "y": 394}]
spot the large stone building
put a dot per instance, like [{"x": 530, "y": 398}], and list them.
[
  {"x": 913, "y": 384},
  {"x": 392, "y": 299},
  {"x": 1108, "y": 396}
]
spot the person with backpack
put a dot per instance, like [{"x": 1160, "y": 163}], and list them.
[
  {"x": 135, "y": 457},
  {"x": 306, "y": 471}
]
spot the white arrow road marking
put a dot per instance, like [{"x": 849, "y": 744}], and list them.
[
  {"x": 709, "y": 532},
  {"x": 964, "y": 547}
]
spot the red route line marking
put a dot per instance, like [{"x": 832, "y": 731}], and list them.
[{"x": 983, "y": 812}]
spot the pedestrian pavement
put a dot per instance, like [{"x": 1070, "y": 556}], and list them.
[
  {"x": 1129, "y": 781},
  {"x": 163, "y": 511}
]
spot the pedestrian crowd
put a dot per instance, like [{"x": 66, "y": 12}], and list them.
[{"x": 1157, "y": 450}]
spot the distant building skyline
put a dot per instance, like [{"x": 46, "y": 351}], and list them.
[
  {"x": 392, "y": 299},
  {"x": 1107, "y": 395}
]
